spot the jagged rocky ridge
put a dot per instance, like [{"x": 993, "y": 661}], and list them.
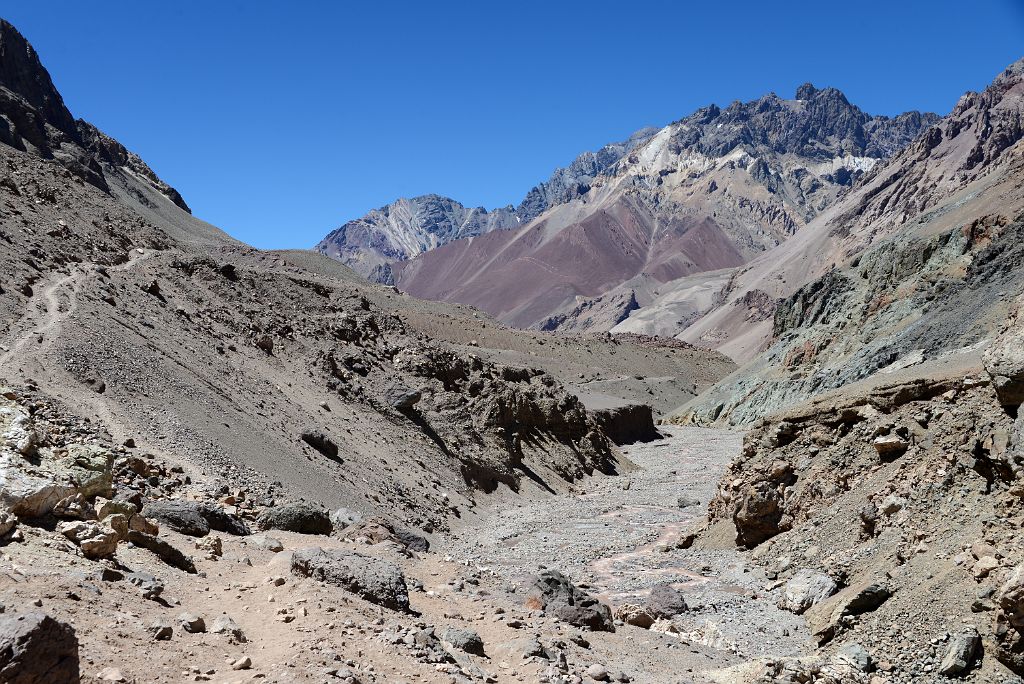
[
  {"x": 33, "y": 118},
  {"x": 928, "y": 252},
  {"x": 706, "y": 193},
  {"x": 408, "y": 227}
]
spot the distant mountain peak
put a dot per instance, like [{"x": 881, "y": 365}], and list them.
[{"x": 806, "y": 91}]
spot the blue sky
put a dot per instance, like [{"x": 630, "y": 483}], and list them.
[{"x": 278, "y": 121}]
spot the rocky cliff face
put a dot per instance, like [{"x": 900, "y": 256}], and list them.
[
  {"x": 570, "y": 182},
  {"x": 926, "y": 256},
  {"x": 863, "y": 503},
  {"x": 705, "y": 193},
  {"x": 406, "y": 228},
  {"x": 33, "y": 118}
]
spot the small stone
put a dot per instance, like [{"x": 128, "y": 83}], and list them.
[
  {"x": 597, "y": 672},
  {"x": 193, "y": 624},
  {"x": 160, "y": 631},
  {"x": 243, "y": 663},
  {"x": 110, "y": 674}
]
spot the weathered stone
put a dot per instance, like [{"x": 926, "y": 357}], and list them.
[
  {"x": 890, "y": 445},
  {"x": 321, "y": 442},
  {"x": 1010, "y": 597},
  {"x": 344, "y": 517},
  {"x": 262, "y": 541},
  {"x": 1004, "y": 359},
  {"x": 378, "y": 530},
  {"x": 193, "y": 624},
  {"x": 37, "y": 649},
  {"x": 225, "y": 625},
  {"x": 552, "y": 592},
  {"x": 297, "y": 516},
  {"x": 75, "y": 507},
  {"x": 665, "y": 601},
  {"x": 96, "y": 540},
  {"x": 8, "y": 521},
  {"x": 758, "y": 515},
  {"x": 805, "y": 589},
  {"x": 194, "y": 518},
  {"x": 633, "y": 614},
  {"x": 160, "y": 630},
  {"x": 375, "y": 580},
  {"x": 463, "y": 640},
  {"x": 598, "y": 673},
  {"x": 181, "y": 516},
  {"x": 961, "y": 653},
  {"x": 33, "y": 491},
  {"x": 854, "y": 656},
  {"x": 825, "y": 617}
]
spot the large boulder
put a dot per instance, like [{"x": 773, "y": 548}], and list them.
[
  {"x": 36, "y": 649},
  {"x": 297, "y": 516},
  {"x": 31, "y": 489},
  {"x": 807, "y": 588},
  {"x": 373, "y": 579},
  {"x": 552, "y": 592},
  {"x": 1010, "y": 597},
  {"x": 97, "y": 540},
  {"x": 961, "y": 653},
  {"x": 181, "y": 516},
  {"x": 665, "y": 602},
  {"x": 825, "y": 617},
  {"x": 1004, "y": 359},
  {"x": 194, "y": 518},
  {"x": 759, "y": 514}
]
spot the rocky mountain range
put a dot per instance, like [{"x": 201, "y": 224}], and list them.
[
  {"x": 408, "y": 227},
  {"x": 706, "y": 193},
  {"x": 225, "y": 464}
]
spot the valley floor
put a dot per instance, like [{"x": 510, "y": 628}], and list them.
[{"x": 617, "y": 537}]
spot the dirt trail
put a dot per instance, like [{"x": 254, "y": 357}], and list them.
[{"x": 34, "y": 334}]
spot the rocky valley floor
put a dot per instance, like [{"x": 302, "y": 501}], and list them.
[{"x": 249, "y": 611}]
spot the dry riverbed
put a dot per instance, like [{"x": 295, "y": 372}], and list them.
[{"x": 618, "y": 537}]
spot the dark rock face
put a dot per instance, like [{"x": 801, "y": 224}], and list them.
[
  {"x": 33, "y": 118},
  {"x": 665, "y": 601},
  {"x": 627, "y": 424},
  {"x": 194, "y": 518},
  {"x": 465, "y": 640},
  {"x": 819, "y": 124},
  {"x": 36, "y": 649},
  {"x": 554, "y": 593},
  {"x": 298, "y": 517},
  {"x": 373, "y": 579},
  {"x": 181, "y": 516},
  {"x": 567, "y": 183},
  {"x": 321, "y": 442}
]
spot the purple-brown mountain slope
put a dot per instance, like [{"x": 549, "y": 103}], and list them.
[{"x": 705, "y": 193}]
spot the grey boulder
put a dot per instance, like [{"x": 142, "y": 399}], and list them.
[
  {"x": 552, "y": 592},
  {"x": 36, "y": 649},
  {"x": 298, "y": 517},
  {"x": 373, "y": 579}
]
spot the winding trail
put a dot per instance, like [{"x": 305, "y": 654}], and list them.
[{"x": 41, "y": 326}]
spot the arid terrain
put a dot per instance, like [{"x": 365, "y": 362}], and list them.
[{"x": 781, "y": 443}]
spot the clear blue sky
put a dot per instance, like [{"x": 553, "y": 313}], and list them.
[{"x": 278, "y": 121}]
